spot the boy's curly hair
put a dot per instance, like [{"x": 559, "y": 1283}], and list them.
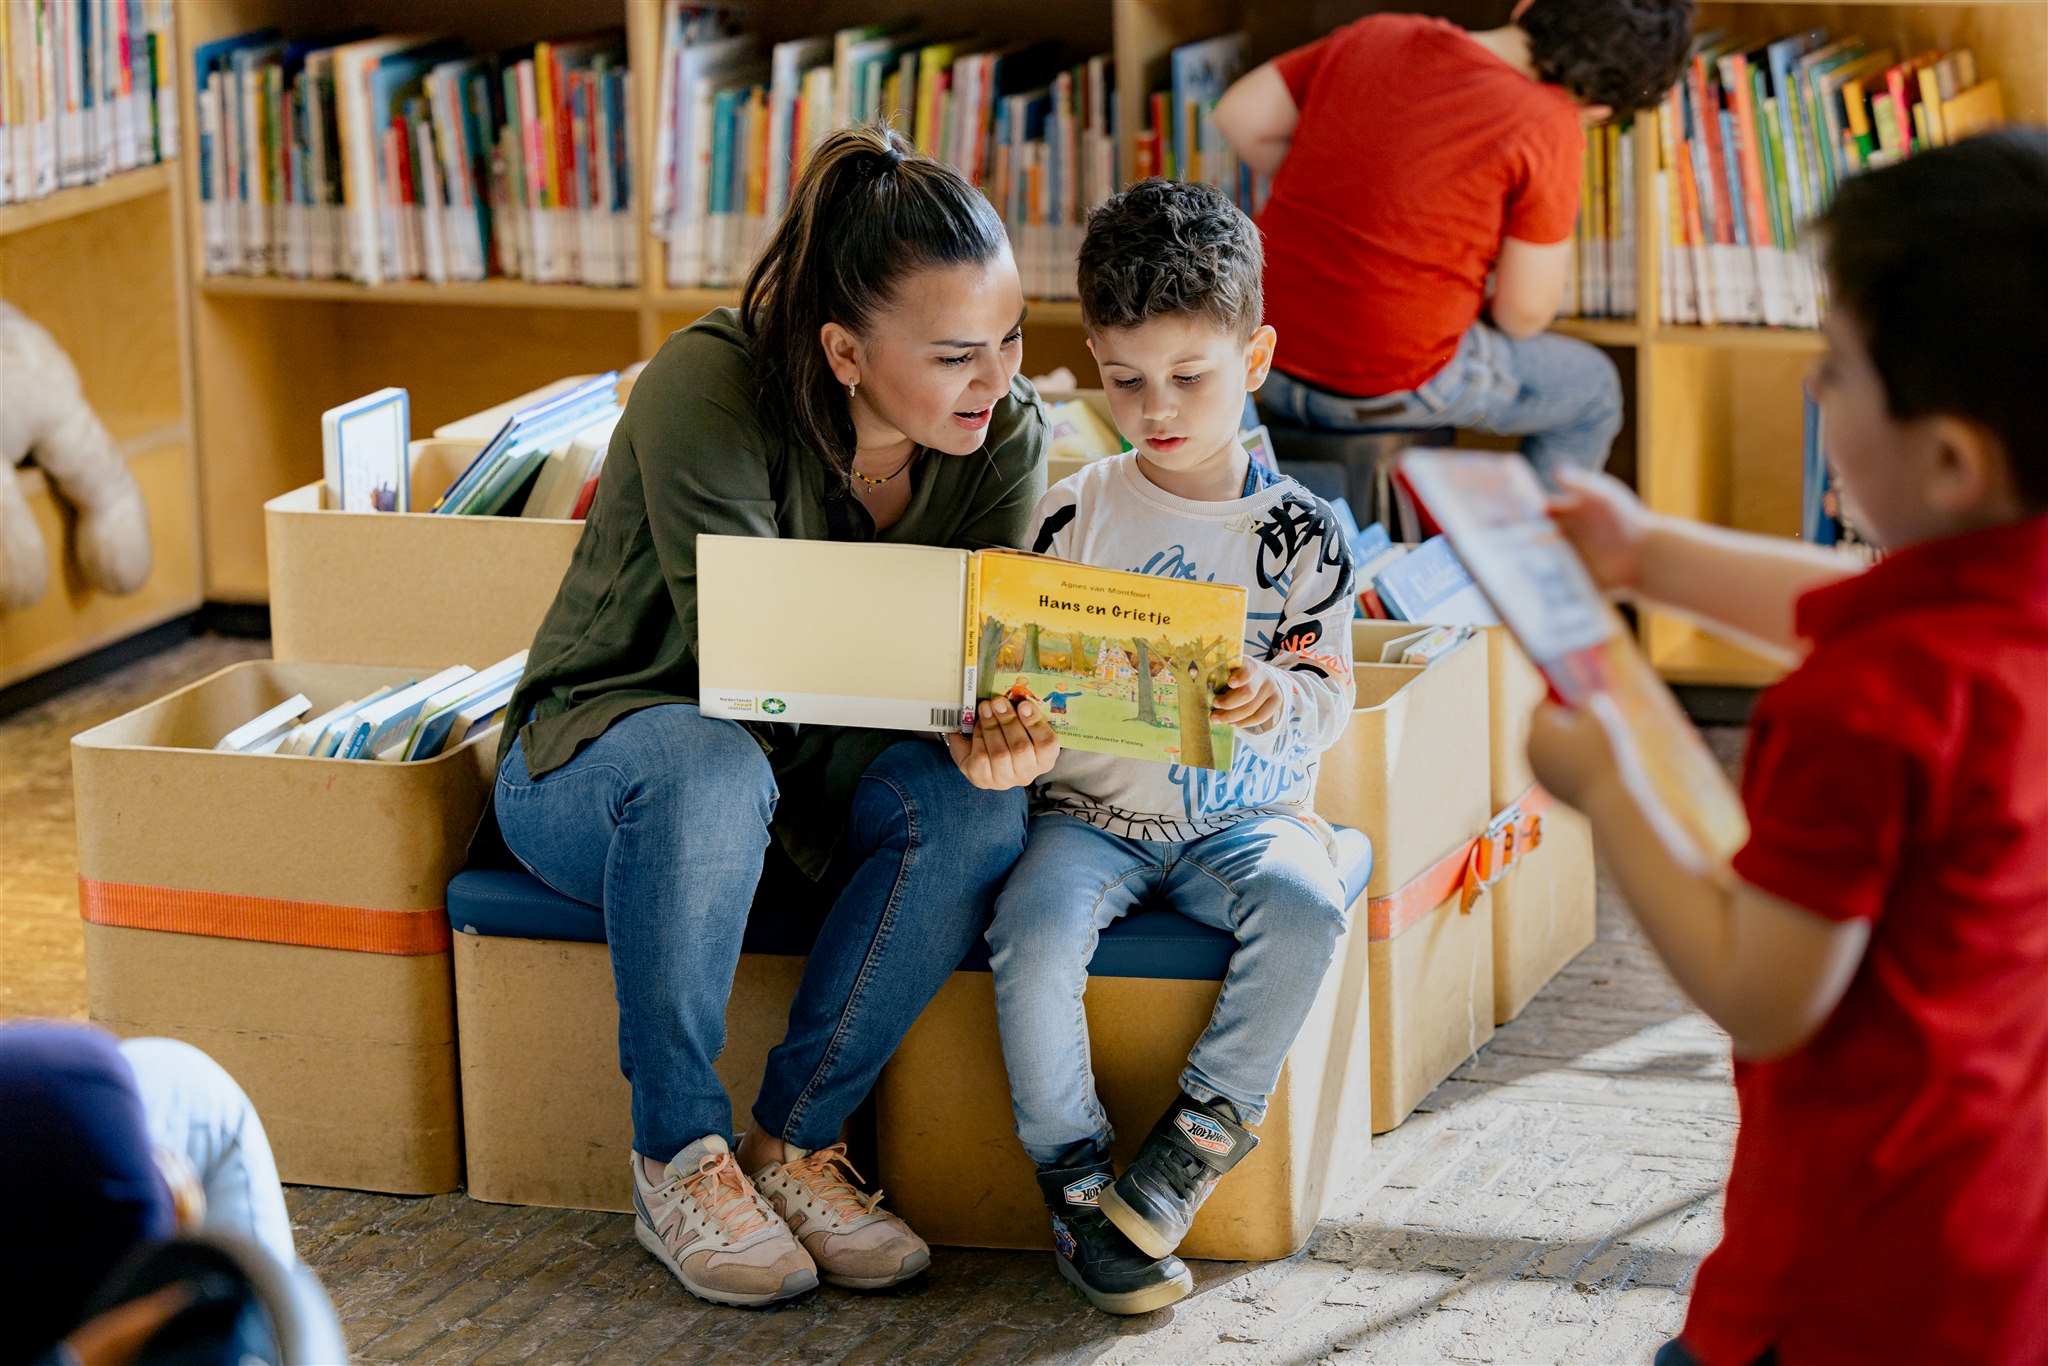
[
  {"x": 1624, "y": 54},
  {"x": 1941, "y": 261},
  {"x": 1165, "y": 247}
]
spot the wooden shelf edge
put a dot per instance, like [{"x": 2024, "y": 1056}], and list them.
[
  {"x": 487, "y": 294},
  {"x": 697, "y": 302},
  {"x": 1601, "y": 331},
  {"x": 29, "y": 666},
  {"x": 1798, "y": 340},
  {"x": 84, "y": 199}
]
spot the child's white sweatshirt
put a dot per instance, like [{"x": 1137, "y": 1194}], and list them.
[{"x": 1284, "y": 545}]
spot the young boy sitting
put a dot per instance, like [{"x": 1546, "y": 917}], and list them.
[
  {"x": 1170, "y": 296},
  {"x": 1410, "y": 159},
  {"x": 1878, "y": 951}
]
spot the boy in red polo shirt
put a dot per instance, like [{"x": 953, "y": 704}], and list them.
[
  {"x": 1411, "y": 159},
  {"x": 1878, "y": 951}
]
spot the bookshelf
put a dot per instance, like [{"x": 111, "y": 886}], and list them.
[
  {"x": 1714, "y": 418},
  {"x": 101, "y": 267}
]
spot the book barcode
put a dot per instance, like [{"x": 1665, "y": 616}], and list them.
[{"x": 946, "y": 717}]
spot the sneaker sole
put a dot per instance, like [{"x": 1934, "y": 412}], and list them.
[
  {"x": 1130, "y": 1301},
  {"x": 797, "y": 1283},
  {"x": 910, "y": 1270},
  {"x": 1133, "y": 1225}
]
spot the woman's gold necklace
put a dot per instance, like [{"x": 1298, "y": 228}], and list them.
[{"x": 873, "y": 484}]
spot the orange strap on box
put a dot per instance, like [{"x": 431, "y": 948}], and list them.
[
  {"x": 1467, "y": 870},
  {"x": 225, "y": 915}
]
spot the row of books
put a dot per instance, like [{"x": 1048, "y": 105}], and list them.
[
  {"x": 1031, "y": 126},
  {"x": 402, "y": 723},
  {"x": 1602, "y": 281},
  {"x": 85, "y": 92},
  {"x": 376, "y": 157},
  {"x": 1753, "y": 142},
  {"x": 1179, "y": 138}
]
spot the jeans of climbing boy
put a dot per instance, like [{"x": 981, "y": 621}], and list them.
[
  {"x": 663, "y": 821},
  {"x": 1562, "y": 396},
  {"x": 1267, "y": 880}
]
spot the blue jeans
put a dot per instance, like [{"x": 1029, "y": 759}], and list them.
[
  {"x": 663, "y": 821},
  {"x": 1560, "y": 395},
  {"x": 1266, "y": 880}
]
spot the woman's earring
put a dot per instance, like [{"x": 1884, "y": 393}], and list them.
[{"x": 852, "y": 387}]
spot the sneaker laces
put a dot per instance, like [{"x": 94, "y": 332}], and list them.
[
  {"x": 830, "y": 1177},
  {"x": 721, "y": 1189}
]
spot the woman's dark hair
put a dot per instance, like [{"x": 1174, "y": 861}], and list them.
[
  {"x": 866, "y": 212},
  {"x": 1624, "y": 54},
  {"x": 1941, "y": 261}
]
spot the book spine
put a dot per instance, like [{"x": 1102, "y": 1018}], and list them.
[{"x": 970, "y": 634}]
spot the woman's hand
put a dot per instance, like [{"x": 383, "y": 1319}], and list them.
[
  {"x": 1010, "y": 747},
  {"x": 1605, "y": 523},
  {"x": 1572, "y": 751},
  {"x": 1251, "y": 698}
]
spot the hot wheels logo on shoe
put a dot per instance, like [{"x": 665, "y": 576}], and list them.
[
  {"x": 1088, "y": 1190},
  {"x": 1204, "y": 1132},
  {"x": 1062, "y": 1239}
]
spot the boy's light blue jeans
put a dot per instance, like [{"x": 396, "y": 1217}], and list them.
[
  {"x": 1562, "y": 396},
  {"x": 663, "y": 821},
  {"x": 1266, "y": 880}
]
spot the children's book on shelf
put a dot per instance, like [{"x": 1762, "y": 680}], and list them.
[
  {"x": 1601, "y": 280},
  {"x": 1076, "y": 431},
  {"x": 1755, "y": 139},
  {"x": 379, "y": 157},
  {"x": 1822, "y": 520},
  {"x": 365, "y": 444},
  {"x": 85, "y": 92},
  {"x": 912, "y": 637},
  {"x": 1028, "y": 123},
  {"x": 1494, "y": 512}
]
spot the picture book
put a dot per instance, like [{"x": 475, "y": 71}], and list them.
[
  {"x": 912, "y": 637},
  {"x": 1494, "y": 512},
  {"x": 1432, "y": 584},
  {"x": 365, "y": 444}
]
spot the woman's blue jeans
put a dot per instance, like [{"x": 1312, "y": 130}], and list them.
[{"x": 663, "y": 821}]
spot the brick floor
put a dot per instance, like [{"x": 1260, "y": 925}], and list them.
[{"x": 1549, "y": 1202}]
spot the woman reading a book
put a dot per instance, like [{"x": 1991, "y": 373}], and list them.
[{"x": 866, "y": 389}]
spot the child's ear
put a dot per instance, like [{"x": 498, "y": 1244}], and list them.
[
  {"x": 1258, "y": 357},
  {"x": 1969, "y": 479}
]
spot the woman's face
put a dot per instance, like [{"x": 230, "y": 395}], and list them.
[{"x": 935, "y": 361}]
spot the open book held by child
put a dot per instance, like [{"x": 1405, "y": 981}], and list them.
[{"x": 1878, "y": 949}]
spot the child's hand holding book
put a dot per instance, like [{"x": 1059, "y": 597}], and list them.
[
  {"x": 1250, "y": 699},
  {"x": 1010, "y": 747},
  {"x": 1605, "y": 523}
]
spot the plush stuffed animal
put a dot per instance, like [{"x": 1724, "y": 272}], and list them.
[{"x": 44, "y": 415}]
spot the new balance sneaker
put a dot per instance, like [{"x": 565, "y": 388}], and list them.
[
  {"x": 1102, "y": 1264},
  {"x": 855, "y": 1242},
  {"x": 1185, "y": 1155},
  {"x": 709, "y": 1226}
]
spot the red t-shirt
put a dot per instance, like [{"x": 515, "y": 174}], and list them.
[
  {"x": 1416, "y": 152},
  {"x": 1889, "y": 1194}
]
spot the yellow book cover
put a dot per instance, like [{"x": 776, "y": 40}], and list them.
[
  {"x": 1079, "y": 432},
  {"x": 1124, "y": 664}
]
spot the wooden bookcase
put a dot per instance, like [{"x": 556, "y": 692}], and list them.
[
  {"x": 101, "y": 267},
  {"x": 1714, "y": 423}
]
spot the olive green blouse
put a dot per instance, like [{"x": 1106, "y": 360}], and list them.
[{"x": 694, "y": 455}]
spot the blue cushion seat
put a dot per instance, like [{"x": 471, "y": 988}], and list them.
[{"x": 1152, "y": 942}]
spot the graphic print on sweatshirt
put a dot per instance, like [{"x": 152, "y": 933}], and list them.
[{"x": 1287, "y": 549}]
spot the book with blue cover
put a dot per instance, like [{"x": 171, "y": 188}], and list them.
[
  {"x": 517, "y": 450},
  {"x": 1431, "y": 584}
]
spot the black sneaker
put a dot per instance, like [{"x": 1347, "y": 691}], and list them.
[
  {"x": 1185, "y": 1155},
  {"x": 1102, "y": 1264}
]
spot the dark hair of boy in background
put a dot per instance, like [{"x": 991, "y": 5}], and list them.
[
  {"x": 1411, "y": 160},
  {"x": 1878, "y": 951}
]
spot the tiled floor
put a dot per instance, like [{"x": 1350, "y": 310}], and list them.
[{"x": 1550, "y": 1202}]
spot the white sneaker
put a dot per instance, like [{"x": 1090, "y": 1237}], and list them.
[
  {"x": 709, "y": 1226},
  {"x": 855, "y": 1242}
]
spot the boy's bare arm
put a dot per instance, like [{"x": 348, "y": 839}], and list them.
[
  {"x": 1528, "y": 285},
  {"x": 1257, "y": 116},
  {"x": 1765, "y": 970},
  {"x": 1739, "y": 583}
]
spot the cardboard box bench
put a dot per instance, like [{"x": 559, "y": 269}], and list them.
[
  {"x": 285, "y": 914},
  {"x": 410, "y": 588},
  {"x": 1411, "y": 770}
]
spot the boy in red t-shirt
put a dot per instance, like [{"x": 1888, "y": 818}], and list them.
[
  {"x": 1410, "y": 160},
  {"x": 1878, "y": 951}
]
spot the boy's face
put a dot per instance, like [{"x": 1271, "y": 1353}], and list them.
[
  {"x": 1176, "y": 387},
  {"x": 1901, "y": 482}
]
